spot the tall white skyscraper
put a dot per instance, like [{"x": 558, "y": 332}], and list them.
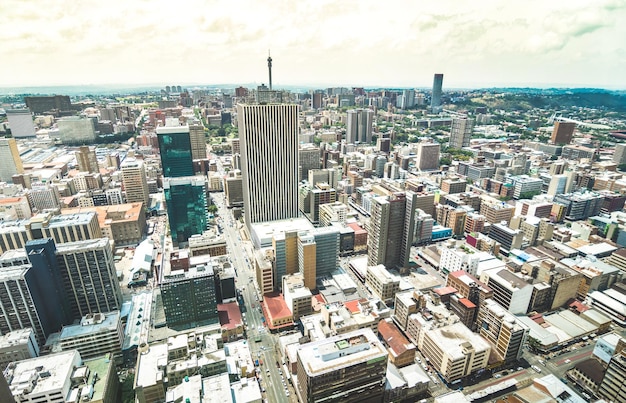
[
  {"x": 268, "y": 137},
  {"x": 21, "y": 123},
  {"x": 461, "y": 132},
  {"x": 359, "y": 126}
]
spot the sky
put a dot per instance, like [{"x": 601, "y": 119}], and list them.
[{"x": 358, "y": 43}]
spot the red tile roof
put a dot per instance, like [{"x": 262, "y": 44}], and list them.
[
  {"x": 357, "y": 228},
  {"x": 353, "y": 306},
  {"x": 468, "y": 304},
  {"x": 394, "y": 338},
  {"x": 445, "y": 290},
  {"x": 229, "y": 314}
]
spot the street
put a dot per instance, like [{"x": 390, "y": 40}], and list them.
[{"x": 277, "y": 387}]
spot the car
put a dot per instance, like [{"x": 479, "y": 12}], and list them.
[
  {"x": 497, "y": 376},
  {"x": 520, "y": 368},
  {"x": 287, "y": 393},
  {"x": 567, "y": 361}
]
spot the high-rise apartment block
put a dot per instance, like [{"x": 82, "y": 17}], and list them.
[
  {"x": 562, "y": 132},
  {"x": 269, "y": 155},
  {"x": 359, "y": 126},
  {"x": 435, "y": 101},
  {"x": 347, "y": 368},
  {"x": 11, "y": 161},
  {"x": 135, "y": 181},
  {"x": 21, "y": 123},
  {"x": 461, "y": 132},
  {"x": 427, "y": 158}
]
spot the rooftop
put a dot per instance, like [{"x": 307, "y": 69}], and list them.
[{"x": 95, "y": 323}]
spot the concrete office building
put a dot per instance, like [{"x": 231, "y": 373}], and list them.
[
  {"x": 197, "y": 142},
  {"x": 76, "y": 130},
  {"x": 297, "y": 296},
  {"x": 44, "y": 197},
  {"x": 17, "y": 345},
  {"x": 87, "y": 160},
  {"x": 89, "y": 276},
  {"x": 41, "y": 104},
  {"x": 135, "y": 181},
  {"x": 385, "y": 230},
  {"x": 382, "y": 283},
  {"x": 309, "y": 158},
  {"x": 189, "y": 298},
  {"x": 427, "y": 158},
  {"x": 502, "y": 330},
  {"x": 269, "y": 155},
  {"x": 24, "y": 306},
  {"x": 233, "y": 189},
  {"x": 347, "y": 368},
  {"x": 562, "y": 132},
  {"x": 96, "y": 335},
  {"x": 11, "y": 160},
  {"x": 435, "y": 101},
  {"x": 461, "y": 132},
  {"x": 359, "y": 126},
  {"x": 511, "y": 291},
  {"x": 612, "y": 386},
  {"x": 21, "y": 123}
]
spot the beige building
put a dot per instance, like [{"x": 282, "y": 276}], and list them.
[
  {"x": 87, "y": 160},
  {"x": 382, "y": 283},
  {"x": 11, "y": 161},
  {"x": 123, "y": 223},
  {"x": 198, "y": 142},
  {"x": 297, "y": 296},
  {"x": 307, "y": 259},
  {"x": 496, "y": 211},
  {"x": 135, "y": 181}
]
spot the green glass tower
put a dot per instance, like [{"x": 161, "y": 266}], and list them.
[
  {"x": 175, "y": 149},
  {"x": 186, "y": 206}
]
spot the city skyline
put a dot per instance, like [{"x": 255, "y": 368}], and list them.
[{"x": 493, "y": 43}]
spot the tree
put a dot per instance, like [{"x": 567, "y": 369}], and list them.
[{"x": 212, "y": 209}]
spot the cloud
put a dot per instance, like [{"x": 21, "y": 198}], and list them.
[{"x": 325, "y": 41}]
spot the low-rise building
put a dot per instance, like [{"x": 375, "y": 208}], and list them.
[{"x": 96, "y": 335}]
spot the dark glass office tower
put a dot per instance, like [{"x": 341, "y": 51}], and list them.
[
  {"x": 49, "y": 283},
  {"x": 186, "y": 206},
  {"x": 175, "y": 149}
]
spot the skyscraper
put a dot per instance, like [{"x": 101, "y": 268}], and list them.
[
  {"x": 435, "y": 101},
  {"x": 175, "y": 149},
  {"x": 198, "y": 142},
  {"x": 359, "y": 126},
  {"x": 461, "y": 132},
  {"x": 11, "y": 161},
  {"x": 186, "y": 206},
  {"x": 89, "y": 276},
  {"x": 384, "y": 242},
  {"x": 87, "y": 160},
  {"x": 612, "y": 386},
  {"x": 427, "y": 158},
  {"x": 135, "y": 182},
  {"x": 269, "y": 157},
  {"x": 562, "y": 132},
  {"x": 76, "y": 130}
]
